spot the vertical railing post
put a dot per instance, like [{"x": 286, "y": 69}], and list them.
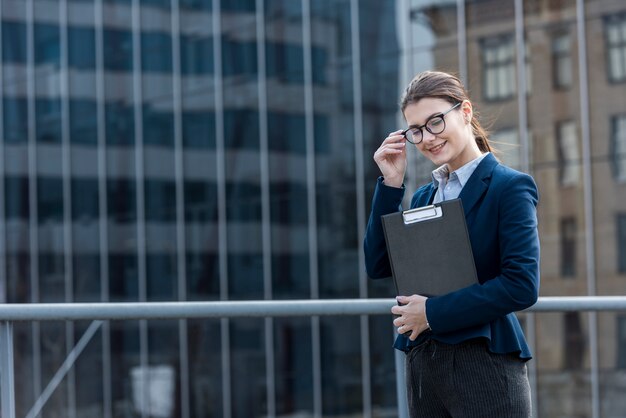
[{"x": 7, "y": 382}]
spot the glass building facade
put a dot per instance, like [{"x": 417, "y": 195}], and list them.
[{"x": 198, "y": 150}]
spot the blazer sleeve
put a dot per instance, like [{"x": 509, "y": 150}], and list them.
[
  {"x": 517, "y": 286},
  {"x": 386, "y": 200}
]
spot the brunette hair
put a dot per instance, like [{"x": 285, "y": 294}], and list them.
[{"x": 445, "y": 86}]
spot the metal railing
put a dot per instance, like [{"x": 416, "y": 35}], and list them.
[{"x": 99, "y": 312}]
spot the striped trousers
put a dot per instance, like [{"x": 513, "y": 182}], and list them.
[{"x": 465, "y": 381}]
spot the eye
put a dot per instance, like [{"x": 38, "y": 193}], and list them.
[{"x": 436, "y": 121}]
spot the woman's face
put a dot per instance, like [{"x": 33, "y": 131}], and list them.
[{"x": 455, "y": 145}]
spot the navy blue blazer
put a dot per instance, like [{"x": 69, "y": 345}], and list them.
[{"x": 500, "y": 210}]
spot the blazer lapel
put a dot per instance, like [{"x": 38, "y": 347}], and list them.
[{"x": 478, "y": 183}]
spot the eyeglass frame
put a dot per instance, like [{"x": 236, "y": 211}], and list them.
[{"x": 424, "y": 126}]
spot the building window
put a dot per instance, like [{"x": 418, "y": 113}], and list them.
[
  {"x": 562, "y": 61},
  {"x": 499, "y": 74},
  {"x": 569, "y": 155},
  {"x": 499, "y": 68},
  {"x": 621, "y": 243},
  {"x": 621, "y": 341},
  {"x": 616, "y": 47},
  {"x": 618, "y": 145},
  {"x": 568, "y": 247},
  {"x": 574, "y": 341}
]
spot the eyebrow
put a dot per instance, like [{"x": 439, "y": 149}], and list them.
[{"x": 422, "y": 124}]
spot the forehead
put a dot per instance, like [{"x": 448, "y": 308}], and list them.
[{"x": 417, "y": 113}]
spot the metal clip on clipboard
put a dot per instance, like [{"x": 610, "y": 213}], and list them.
[{"x": 421, "y": 214}]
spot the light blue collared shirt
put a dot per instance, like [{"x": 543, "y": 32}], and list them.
[{"x": 449, "y": 185}]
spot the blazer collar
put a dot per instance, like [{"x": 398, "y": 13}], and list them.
[{"x": 478, "y": 183}]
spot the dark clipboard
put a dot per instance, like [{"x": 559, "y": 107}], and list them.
[{"x": 429, "y": 249}]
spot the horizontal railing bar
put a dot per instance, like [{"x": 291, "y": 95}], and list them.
[{"x": 266, "y": 308}]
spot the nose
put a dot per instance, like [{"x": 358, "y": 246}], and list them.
[{"x": 427, "y": 136}]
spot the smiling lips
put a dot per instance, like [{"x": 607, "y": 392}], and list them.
[{"x": 436, "y": 148}]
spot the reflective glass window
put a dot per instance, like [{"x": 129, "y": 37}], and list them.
[
  {"x": 118, "y": 50},
  {"x": 81, "y": 48},
  {"x": 48, "y": 119},
  {"x": 562, "y": 61},
  {"x": 120, "y": 123},
  {"x": 569, "y": 154},
  {"x": 83, "y": 122},
  {"x": 616, "y": 47},
  {"x": 569, "y": 236},
  {"x": 196, "y": 55},
  {"x": 15, "y": 111},
  {"x": 47, "y": 44},
  {"x": 156, "y": 52},
  {"x": 13, "y": 42},
  {"x": 618, "y": 146}
]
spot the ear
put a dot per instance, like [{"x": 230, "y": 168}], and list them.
[{"x": 467, "y": 111}]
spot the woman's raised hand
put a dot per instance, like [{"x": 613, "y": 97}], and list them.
[{"x": 391, "y": 159}]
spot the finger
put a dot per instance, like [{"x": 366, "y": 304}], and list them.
[
  {"x": 397, "y": 310},
  {"x": 403, "y": 299},
  {"x": 398, "y": 322}
]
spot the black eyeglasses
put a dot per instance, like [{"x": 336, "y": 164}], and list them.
[{"x": 434, "y": 124}]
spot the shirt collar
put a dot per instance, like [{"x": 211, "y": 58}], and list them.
[{"x": 462, "y": 174}]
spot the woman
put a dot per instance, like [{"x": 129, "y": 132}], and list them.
[{"x": 466, "y": 351}]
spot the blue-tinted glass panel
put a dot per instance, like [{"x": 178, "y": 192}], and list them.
[
  {"x": 293, "y": 359},
  {"x": 248, "y": 368},
  {"x": 85, "y": 207},
  {"x": 290, "y": 272},
  {"x": 203, "y": 5},
  {"x": 118, "y": 50},
  {"x": 205, "y": 377},
  {"x": 241, "y": 129},
  {"x": 239, "y": 58},
  {"x": 51, "y": 277},
  {"x": 202, "y": 276},
  {"x": 47, "y": 44},
  {"x": 121, "y": 203},
  {"x": 342, "y": 391},
  {"x": 83, "y": 122},
  {"x": 13, "y": 42},
  {"x": 200, "y": 201},
  {"x": 163, "y": 4},
  {"x": 161, "y": 277},
  {"x": 16, "y": 205},
  {"x": 15, "y": 119},
  {"x": 245, "y": 275},
  {"x": 156, "y": 52},
  {"x": 285, "y": 62},
  {"x": 243, "y": 201},
  {"x": 81, "y": 48},
  {"x": 120, "y": 124},
  {"x": 86, "y": 277},
  {"x": 196, "y": 55},
  {"x": 89, "y": 392},
  {"x": 48, "y": 119},
  {"x": 286, "y": 132},
  {"x": 18, "y": 276},
  {"x": 50, "y": 199},
  {"x": 160, "y": 201},
  {"x": 199, "y": 130},
  {"x": 287, "y": 203},
  {"x": 319, "y": 58},
  {"x": 322, "y": 134},
  {"x": 158, "y": 127},
  {"x": 123, "y": 280},
  {"x": 238, "y": 5}
]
